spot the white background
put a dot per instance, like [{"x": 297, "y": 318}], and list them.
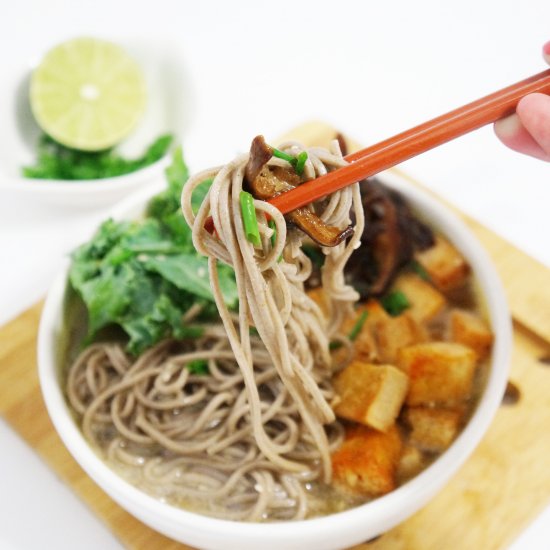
[{"x": 369, "y": 68}]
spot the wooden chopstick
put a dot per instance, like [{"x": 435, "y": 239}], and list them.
[{"x": 417, "y": 140}]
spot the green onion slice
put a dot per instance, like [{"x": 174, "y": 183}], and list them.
[
  {"x": 198, "y": 366},
  {"x": 273, "y": 226},
  {"x": 395, "y": 303},
  {"x": 282, "y": 155},
  {"x": 420, "y": 270},
  {"x": 356, "y": 329},
  {"x": 353, "y": 333},
  {"x": 300, "y": 163},
  {"x": 297, "y": 162},
  {"x": 250, "y": 221}
]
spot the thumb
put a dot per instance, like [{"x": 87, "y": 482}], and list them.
[{"x": 546, "y": 52}]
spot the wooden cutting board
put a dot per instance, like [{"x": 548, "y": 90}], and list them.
[{"x": 492, "y": 498}]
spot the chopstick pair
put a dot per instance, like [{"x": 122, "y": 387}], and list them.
[{"x": 413, "y": 142}]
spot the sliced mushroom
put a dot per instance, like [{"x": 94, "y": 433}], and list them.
[
  {"x": 260, "y": 153},
  {"x": 266, "y": 182},
  {"x": 342, "y": 143},
  {"x": 387, "y": 244},
  {"x": 392, "y": 234},
  {"x": 317, "y": 229}
]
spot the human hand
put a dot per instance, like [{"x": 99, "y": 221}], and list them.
[{"x": 528, "y": 131}]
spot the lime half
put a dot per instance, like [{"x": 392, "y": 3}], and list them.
[{"x": 87, "y": 94}]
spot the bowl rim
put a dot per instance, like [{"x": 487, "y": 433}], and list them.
[{"x": 413, "y": 494}]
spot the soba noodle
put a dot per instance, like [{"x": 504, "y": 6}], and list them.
[{"x": 247, "y": 440}]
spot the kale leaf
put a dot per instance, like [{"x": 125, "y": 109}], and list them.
[
  {"x": 190, "y": 272},
  {"x": 143, "y": 275},
  {"x": 168, "y": 201}
]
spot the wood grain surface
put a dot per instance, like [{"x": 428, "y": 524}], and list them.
[{"x": 502, "y": 487}]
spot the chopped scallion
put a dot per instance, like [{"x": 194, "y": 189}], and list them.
[
  {"x": 297, "y": 162},
  {"x": 420, "y": 270},
  {"x": 250, "y": 221},
  {"x": 315, "y": 254},
  {"x": 395, "y": 303},
  {"x": 300, "y": 163},
  {"x": 356, "y": 329},
  {"x": 353, "y": 333},
  {"x": 282, "y": 155},
  {"x": 273, "y": 226},
  {"x": 198, "y": 366}
]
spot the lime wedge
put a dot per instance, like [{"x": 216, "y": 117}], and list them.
[{"x": 87, "y": 94}]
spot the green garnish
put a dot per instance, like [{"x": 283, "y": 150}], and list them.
[
  {"x": 395, "y": 303},
  {"x": 300, "y": 163},
  {"x": 142, "y": 276},
  {"x": 168, "y": 201},
  {"x": 315, "y": 254},
  {"x": 282, "y": 155},
  {"x": 271, "y": 224},
  {"x": 297, "y": 162},
  {"x": 250, "y": 221},
  {"x": 420, "y": 270},
  {"x": 198, "y": 366},
  {"x": 57, "y": 162},
  {"x": 356, "y": 329},
  {"x": 354, "y": 332}
]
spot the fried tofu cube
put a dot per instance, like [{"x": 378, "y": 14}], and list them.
[
  {"x": 364, "y": 343},
  {"x": 426, "y": 302},
  {"x": 444, "y": 264},
  {"x": 394, "y": 333},
  {"x": 439, "y": 372},
  {"x": 433, "y": 429},
  {"x": 370, "y": 394},
  {"x": 366, "y": 462},
  {"x": 411, "y": 462},
  {"x": 472, "y": 331}
]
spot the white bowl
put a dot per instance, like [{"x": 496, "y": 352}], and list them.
[
  {"x": 334, "y": 531},
  {"x": 170, "y": 107}
]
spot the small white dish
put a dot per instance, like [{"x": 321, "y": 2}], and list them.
[
  {"x": 169, "y": 111},
  {"x": 334, "y": 531}
]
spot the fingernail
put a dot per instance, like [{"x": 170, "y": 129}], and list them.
[
  {"x": 546, "y": 51},
  {"x": 507, "y": 127}
]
